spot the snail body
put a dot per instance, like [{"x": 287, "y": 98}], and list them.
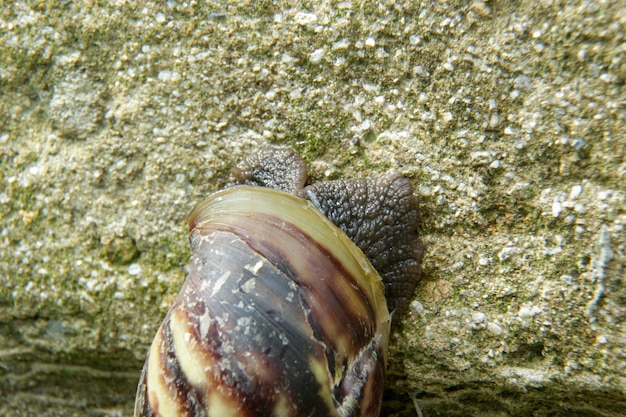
[{"x": 281, "y": 314}]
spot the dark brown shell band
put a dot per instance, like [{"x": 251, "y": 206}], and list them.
[{"x": 281, "y": 314}]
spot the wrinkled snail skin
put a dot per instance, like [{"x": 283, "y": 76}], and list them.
[
  {"x": 281, "y": 313},
  {"x": 381, "y": 217}
]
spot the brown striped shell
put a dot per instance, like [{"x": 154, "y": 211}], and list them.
[{"x": 281, "y": 313}]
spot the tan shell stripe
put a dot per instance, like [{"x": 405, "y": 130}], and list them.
[{"x": 338, "y": 302}]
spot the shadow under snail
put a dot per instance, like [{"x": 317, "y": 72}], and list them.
[{"x": 285, "y": 310}]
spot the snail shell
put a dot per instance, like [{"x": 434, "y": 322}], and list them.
[{"x": 281, "y": 313}]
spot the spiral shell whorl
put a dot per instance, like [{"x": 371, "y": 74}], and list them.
[{"x": 261, "y": 329}]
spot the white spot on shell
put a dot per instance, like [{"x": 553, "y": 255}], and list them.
[
  {"x": 248, "y": 286},
  {"x": 244, "y": 322},
  {"x": 254, "y": 268},
  {"x": 219, "y": 282},
  {"x": 205, "y": 321}
]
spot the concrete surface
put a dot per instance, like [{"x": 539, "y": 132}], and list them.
[{"x": 117, "y": 117}]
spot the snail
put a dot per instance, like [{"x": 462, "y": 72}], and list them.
[{"x": 286, "y": 307}]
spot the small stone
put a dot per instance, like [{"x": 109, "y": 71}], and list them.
[
  {"x": 304, "y": 19},
  {"x": 317, "y": 56},
  {"x": 417, "y": 307},
  {"x": 341, "y": 44},
  {"x": 511, "y": 131},
  {"x": 169, "y": 76},
  {"x": 522, "y": 82},
  {"x": 575, "y": 192},
  {"x": 478, "y": 317},
  {"x": 494, "y": 329},
  {"x": 134, "y": 269},
  {"x": 507, "y": 252}
]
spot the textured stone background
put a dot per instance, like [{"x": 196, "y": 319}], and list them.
[{"x": 509, "y": 118}]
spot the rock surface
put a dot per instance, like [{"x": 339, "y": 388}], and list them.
[{"x": 116, "y": 118}]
